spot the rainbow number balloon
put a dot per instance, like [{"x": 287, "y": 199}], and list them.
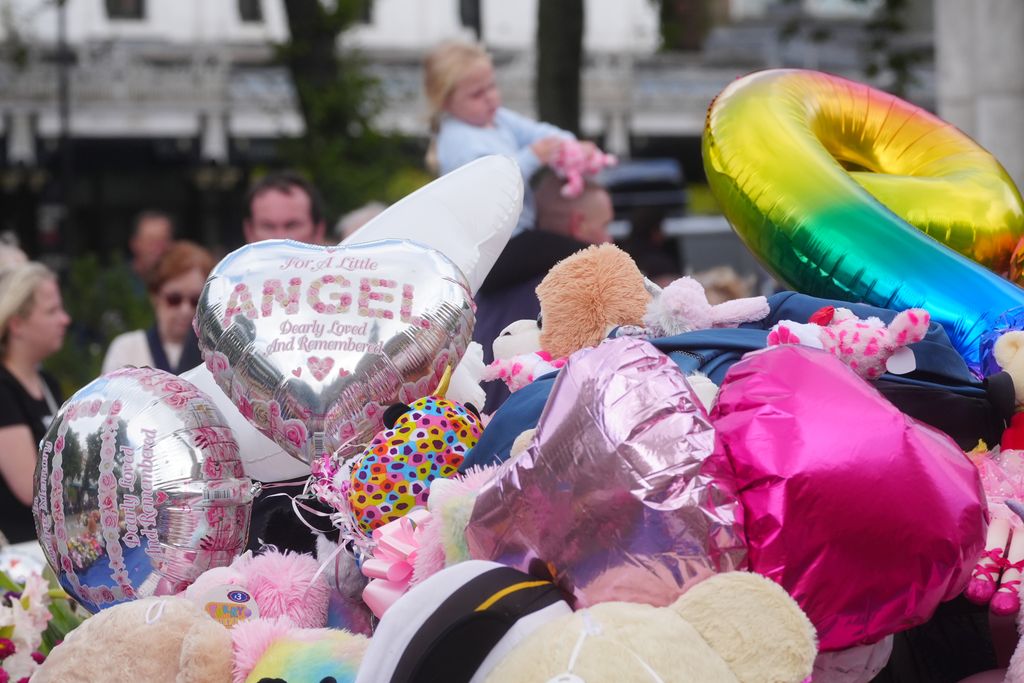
[{"x": 826, "y": 180}]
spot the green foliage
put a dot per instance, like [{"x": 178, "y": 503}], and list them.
[
  {"x": 342, "y": 152},
  {"x": 884, "y": 55},
  {"x": 102, "y": 303},
  {"x": 67, "y": 615},
  {"x": 684, "y": 24}
]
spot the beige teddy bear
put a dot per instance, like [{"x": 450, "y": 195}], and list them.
[{"x": 156, "y": 640}]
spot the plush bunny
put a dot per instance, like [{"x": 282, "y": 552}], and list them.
[{"x": 683, "y": 306}]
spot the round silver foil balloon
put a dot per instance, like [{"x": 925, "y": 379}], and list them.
[
  {"x": 139, "y": 489},
  {"x": 312, "y": 343}
]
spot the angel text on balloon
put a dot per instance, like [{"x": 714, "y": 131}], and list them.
[{"x": 330, "y": 294}]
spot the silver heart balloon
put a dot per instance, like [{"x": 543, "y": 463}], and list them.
[
  {"x": 139, "y": 489},
  {"x": 312, "y": 343}
]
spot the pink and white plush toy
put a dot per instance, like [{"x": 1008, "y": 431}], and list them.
[
  {"x": 518, "y": 358},
  {"x": 683, "y": 306},
  {"x": 573, "y": 163},
  {"x": 865, "y": 345}
]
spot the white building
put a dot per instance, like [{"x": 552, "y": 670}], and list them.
[{"x": 185, "y": 92}]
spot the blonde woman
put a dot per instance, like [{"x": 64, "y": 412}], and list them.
[
  {"x": 32, "y": 327},
  {"x": 467, "y": 120}
]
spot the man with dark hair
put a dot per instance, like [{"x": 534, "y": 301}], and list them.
[
  {"x": 284, "y": 205},
  {"x": 152, "y": 234}
]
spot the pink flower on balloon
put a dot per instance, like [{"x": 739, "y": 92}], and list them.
[
  {"x": 204, "y": 437},
  {"x": 58, "y": 445},
  {"x": 372, "y": 411},
  {"x": 179, "y": 401},
  {"x": 244, "y": 407},
  {"x": 107, "y": 481},
  {"x": 109, "y": 519},
  {"x": 295, "y": 432},
  {"x": 175, "y": 386},
  {"x": 216, "y": 363},
  {"x": 211, "y": 469}
]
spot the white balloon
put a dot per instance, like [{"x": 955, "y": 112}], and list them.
[
  {"x": 262, "y": 459},
  {"x": 468, "y": 215}
]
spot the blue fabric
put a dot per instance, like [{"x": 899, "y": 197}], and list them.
[
  {"x": 713, "y": 352},
  {"x": 459, "y": 142}
]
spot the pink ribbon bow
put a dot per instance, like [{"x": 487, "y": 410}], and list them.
[{"x": 390, "y": 568}]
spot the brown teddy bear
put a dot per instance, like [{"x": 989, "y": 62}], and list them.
[{"x": 586, "y": 295}]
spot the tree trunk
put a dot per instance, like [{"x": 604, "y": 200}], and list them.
[
  {"x": 311, "y": 55},
  {"x": 559, "y": 62}
]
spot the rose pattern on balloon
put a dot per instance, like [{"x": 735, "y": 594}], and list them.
[
  {"x": 165, "y": 500},
  {"x": 303, "y": 338}
]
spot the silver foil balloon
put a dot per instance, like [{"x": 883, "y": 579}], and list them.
[
  {"x": 139, "y": 489},
  {"x": 312, "y": 343}
]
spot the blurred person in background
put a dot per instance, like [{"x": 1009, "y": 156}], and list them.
[
  {"x": 281, "y": 205},
  {"x": 357, "y": 218},
  {"x": 284, "y": 205},
  {"x": 564, "y": 226},
  {"x": 723, "y": 283},
  {"x": 174, "y": 287},
  {"x": 656, "y": 255},
  {"x": 32, "y": 326},
  {"x": 152, "y": 235},
  {"x": 467, "y": 120}
]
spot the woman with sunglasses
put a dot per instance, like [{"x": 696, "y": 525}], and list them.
[
  {"x": 174, "y": 288},
  {"x": 32, "y": 327}
]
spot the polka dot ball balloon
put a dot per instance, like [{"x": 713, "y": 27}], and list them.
[{"x": 394, "y": 473}]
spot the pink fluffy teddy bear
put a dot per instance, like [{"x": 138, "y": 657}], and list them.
[
  {"x": 573, "y": 163},
  {"x": 281, "y": 585},
  {"x": 865, "y": 345}
]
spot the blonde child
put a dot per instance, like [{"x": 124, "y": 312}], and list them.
[{"x": 467, "y": 120}]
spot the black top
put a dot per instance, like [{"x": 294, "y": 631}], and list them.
[{"x": 17, "y": 407}]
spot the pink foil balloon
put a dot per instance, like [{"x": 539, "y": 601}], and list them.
[
  {"x": 868, "y": 518},
  {"x": 609, "y": 498}
]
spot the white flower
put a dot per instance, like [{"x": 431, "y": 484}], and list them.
[{"x": 36, "y": 591}]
